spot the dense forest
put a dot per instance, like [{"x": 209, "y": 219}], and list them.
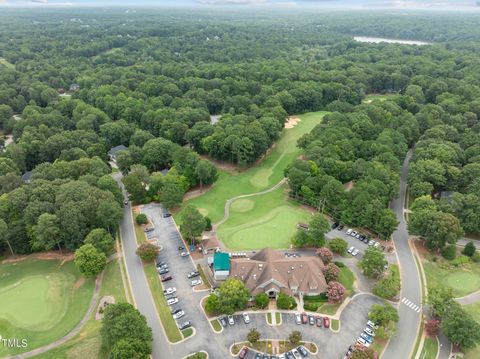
[{"x": 73, "y": 86}]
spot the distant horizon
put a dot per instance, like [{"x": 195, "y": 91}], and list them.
[{"x": 259, "y": 4}]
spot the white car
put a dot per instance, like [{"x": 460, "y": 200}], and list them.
[
  {"x": 231, "y": 321},
  {"x": 172, "y": 301},
  {"x": 179, "y": 315},
  {"x": 376, "y": 244},
  {"x": 349, "y": 231},
  {"x": 298, "y": 318},
  {"x": 363, "y": 342},
  {"x": 246, "y": 318},
  {"x": 351, "y": 249},
  {"x": 196, "y": 282},
  {"x": 371, "y": 242},
  {"x": 355, "y": 252},
  {"x": 184, "y": 254},
  {"x": 353, "y": 234},
  {"x": 281, "y": 356},
  {"x": 371, "y": 324},
  {"x": 170, "y": 290},
  {"x": 296, "y": 354},
  {"x": 369, "y": 331}
]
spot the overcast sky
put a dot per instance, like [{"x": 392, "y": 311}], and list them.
[{"x": 401, "y": 4}]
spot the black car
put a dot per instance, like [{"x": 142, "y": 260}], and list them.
[
  {"x": 303, "y": 351},
  {"x": 223, "y": 321},
  {"x": 340, "y": 227},
  {"x": 162, "y": 270},
  {"x": 266, "y": 356},
  {"x": 289, "y": 355},
  {"x": 175, "y": 311},
  {"x": 362, "y": 237},
  {"x": 181, "y": 248},
  {"x": 185, "y": 325},
  {"x": 160, "y": 263},
  {"x": 366, "y": 240},
  {"x": 335, "y": 225},
  {"x": 166, "y": 215}
]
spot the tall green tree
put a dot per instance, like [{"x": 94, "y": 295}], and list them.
[
  {"x": 193, "y": 223},
  {"x": 89, "y": 260},
  {"x": 46, "y": 233},
  {"x": 373, "y": 262}
]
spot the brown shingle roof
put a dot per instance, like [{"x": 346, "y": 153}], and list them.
[{"x": 269, "y": 268}]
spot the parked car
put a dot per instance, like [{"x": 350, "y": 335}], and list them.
[
  {"x": 223, "y": 321},
  {"x": 181, "y": 248},
  {"x": 351, "y": 249},
  {"x": 326, "y": 322},
  {"x": 335, "y": 225},
  {"x": 184, "y": 325},
  {"x": 125, "y": 203},
  {"x": 371, "y": 324},
  {"x": 340, "y": 227},
  {"x": 170, "y": 290},
  {"x": 298, "y": 318},
  {"x": 176, "y": 310},
  {"x": 160, "y": 263},
  {"x": 318, "y": 320},
  {"x": 193, "y": 274},
  {"x": 258, "y": 356},
  {"x": 362, "y": 237},
  {"x": 246, "y": 318},
  {"x": 179, "y": 315},
  {"x": 166, "y": 215},
  {"x": 371, "y": 242},
  {"x": 289, "y": 355},
  {"x": 296, "y": 354},
  {"x": 366, "y": 240},
  {"x": 349, "y": 231},
  {"x": 353, "y": 234},
  {"x": 304, "y": 318},
  {"x": 172, "y": 301},
  {"x": 231, "y": 321},
  {"x": 376, "y": 244},
  {"x": 163, "y": 266},
  {"x": 355, "y": 252},
  {"x": 243, "y": 353},
  {"x": 265, "y": 356},
  {"x": 162, "y": 270},
  {"x": 273, "y": 357},
  {"x": 363, "y": 342},
  {"x": 369, "y": 331},
  {"x": 184, "y": 254},
  {"x": 311, "y": 319},
  {"x": 166, "y": 278},
  {"x": 282, "y": 356},
  {"x": 302, "y": 351},
  {"x": 196, "y": 282},
  {"x": 367, "y": 337},
  {"x": 357, "y": 236}
]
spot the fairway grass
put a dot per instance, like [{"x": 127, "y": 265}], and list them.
[
  {"x": 41, "y": 301},
  {"x": 258, "y": 178},
  {"x": 271, "y": 222}
]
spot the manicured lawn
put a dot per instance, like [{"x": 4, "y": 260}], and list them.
[
  {"x": 271, "y": 221},
  {"x": 430, "y": 348},
  {"x": 202, "y": 355},
  {"x": 335, "y": 324},
  {"x": 41, "y": 301},
  {"x": 463, "y": 280},
  {"x": 267, "y": 173},
  {"x": 380, "y": 97},
  {"x": 278, "y": 317},
  {"x": 269, "y": 318},
  {"x": 346, "y": 278},
  {"x": 473, "y": 354},
  {"x": 187, "y": 332},
  {"x": 87, "y": 344},
  {"x": 216, "y": 325},
  {"x": 474, "y": 310},
  {"x": 203, "y": 276}
]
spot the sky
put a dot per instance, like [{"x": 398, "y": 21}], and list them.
[{"x": 364, "y": 4}]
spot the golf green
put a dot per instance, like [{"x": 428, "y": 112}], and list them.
[
  {"x": 41, "y": 301},
  {"x": 271, "y": 222},
  {"x": 257, "y": 178},
  {"x": 242, "y": 205},
  {"x": 465, "y": 281}
]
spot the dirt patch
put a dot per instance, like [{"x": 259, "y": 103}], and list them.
[
  {"x": 196, "y": 192},
  {"x": 104, "y": 303},
  {"x": 421, "y": 249},
  {"x": 292, "y": 122},
  {"x": 79, "y": 283},
  {"x": 50, "y": 255}
]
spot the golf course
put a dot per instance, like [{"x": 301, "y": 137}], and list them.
[
  {"x": 41, "y": 301},
  {"x": 262, "y": 220}
]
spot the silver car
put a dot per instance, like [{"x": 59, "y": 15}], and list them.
[
  {"x": 179, "y": 315},
  {"x": 355, "y": 252},
  {"x": 351, "y": 249}
]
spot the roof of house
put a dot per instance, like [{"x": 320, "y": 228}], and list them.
[
  {"x": 221, "y": 261},
  {"x": 348, "y": 186},
  {"x": 27, "y": 176},
  {"x": 116, "y": 149},
  {"x": 269, "y": 269},
  {"x": 210, "y": 243}
]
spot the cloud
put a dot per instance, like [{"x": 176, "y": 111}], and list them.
[
  {"x": 232, "y": 2},
  {"x": 39, "y": 1}
]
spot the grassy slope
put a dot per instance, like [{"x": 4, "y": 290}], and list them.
[
  {"x": 59, "y": 304},
  {"x": 266, "y": 174},
  {"x": 88, "y": 342},
  {"x": 430, "y": 348}
]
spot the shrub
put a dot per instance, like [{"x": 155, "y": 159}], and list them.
[
  {"x": 147, "y": 251},
  {"x": 331, "y": 272},
  {"x": 312, "y": 307},
  {"x": 460, "y": 260},
  {"x": 469, "y": 249},
  {"x": 432, "y": 327},
  {"x": 325, "y": 254},
  {"x": 211, "y": 304},
  {"x": 389, "y": 286},
  {"x": 141, "y": 219},
  {"x": 253, "y": 336},
  {"x": 340, "y": 264},
  {"x": 449, "y": 252},
  {"x": 476, "y": 257},
  {"x": 338, "y": 245},
  {"x": 261, "y": 300},
  {"x": 285, "y": 301},
  {"x": 295, "y": 337},
  {"x": 208, "y": 224},
  {"x": 335, "y": 292}
]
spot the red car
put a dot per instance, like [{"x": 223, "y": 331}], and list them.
[
  {"x": 326, "y": 322},
  {"x": 318, "y": 320},
  {"x": 166, "y": 278},
  {"x": 304, "y": 318},
  {"x": 243, "y": 353}
]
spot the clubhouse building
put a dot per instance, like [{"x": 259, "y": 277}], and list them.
[{"x": 268, "y": 271}]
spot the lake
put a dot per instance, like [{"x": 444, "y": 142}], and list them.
[{"x": 377, "y": 40}]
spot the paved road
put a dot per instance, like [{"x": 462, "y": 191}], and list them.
[
  {"x": 401, "y": 346},
  {"x": 140, "y": 289}
]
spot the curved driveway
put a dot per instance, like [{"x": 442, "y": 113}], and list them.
[{"x": 401, "y": 346}]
